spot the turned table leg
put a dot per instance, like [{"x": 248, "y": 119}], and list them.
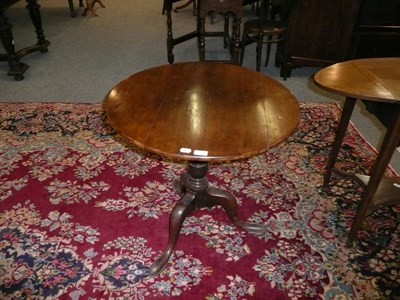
[
  {"x": 17, "y": 68},
  {"x": 341, "y": 131}
]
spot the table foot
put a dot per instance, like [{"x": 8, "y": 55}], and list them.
[
  {"x": 90, "y": 5},
  {"x": 17, "y": 70},
  {"x": 196, "y": 193},
  {"x": 178, "y": 215},
  {"x": 220, "y": 197}
]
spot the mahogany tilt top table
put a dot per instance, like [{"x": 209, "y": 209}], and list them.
[
  {"x": 372, "y": 79},
  {"x": 201, "y": 112}
]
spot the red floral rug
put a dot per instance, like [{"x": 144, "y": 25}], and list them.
[{"x": 83, "y": 215}]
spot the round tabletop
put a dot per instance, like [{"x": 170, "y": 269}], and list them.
[
  {"x": 375, "y": 79},
  {"x": 202, "y": 111}
]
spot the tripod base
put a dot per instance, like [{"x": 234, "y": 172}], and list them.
[{"x": 196, "y": 193}]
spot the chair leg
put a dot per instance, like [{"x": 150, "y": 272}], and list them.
[
  {"x": 242, "y": 46},
  {"x": 201, "y": 39},
  {"x": 255, "y": 5},
  {"x": 236, "y": 40},
  {"x": 194, "y": 7},
  {"x": 89, "y": 8},
  {"x": 226, "y": 30},
  {"x": 279, "y": 54},
  {"x": 269, "y": 44},
  {"x": 286, "y": 70},
  {"x": 258, "y": 58},
  {"x": 258, "y": 54},
  {"x": 71, "y": 8},
  {"x": 100, "y": 3}
]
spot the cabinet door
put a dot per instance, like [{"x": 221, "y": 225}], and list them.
[
  {"x": 377, "y": 32},
  {"x": 319, "y": 32}
]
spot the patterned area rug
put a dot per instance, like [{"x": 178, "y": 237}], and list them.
[{"x": 83, "y": 215}]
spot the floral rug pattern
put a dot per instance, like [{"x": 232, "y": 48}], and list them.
[{"x": 83, "y": 215}]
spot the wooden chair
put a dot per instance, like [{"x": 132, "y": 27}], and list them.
[
  {"x": 263, "y": 30},
  {"x": 227, "y": 8}
]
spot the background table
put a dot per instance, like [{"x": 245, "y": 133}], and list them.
[
  {"x": 17, "y": 68},
  {"x": 374, "y": 79}
]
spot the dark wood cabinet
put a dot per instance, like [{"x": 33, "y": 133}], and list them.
[
  {"x": 319, "y": 33},
  {"x": 377, "y": 34},
  {"x": 377, "y": 30},
  {"x": 323, "y": 32}
]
